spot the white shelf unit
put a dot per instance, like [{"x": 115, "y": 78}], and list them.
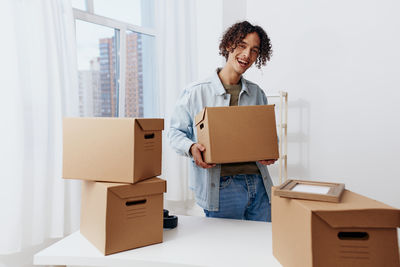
[{"x": 282, "y": 133}]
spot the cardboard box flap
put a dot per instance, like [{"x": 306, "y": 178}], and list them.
[
  {"x": 150, "y": 124},
  {"x": 147, "y": 187},
  {"x": 200, "y": 116},
  {"x": 368, "y": 218},
  {"x": 348, "y": 201}
]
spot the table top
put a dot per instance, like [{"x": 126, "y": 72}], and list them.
[{"x": 197, "y": 241}]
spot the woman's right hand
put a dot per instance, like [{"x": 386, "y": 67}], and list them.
[{"x": 196, "y": 151}]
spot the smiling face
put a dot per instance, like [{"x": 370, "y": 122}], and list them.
[{"x": 245, "y": 54}]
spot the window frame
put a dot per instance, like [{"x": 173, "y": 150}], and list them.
[{"x": 123, "y": 28}]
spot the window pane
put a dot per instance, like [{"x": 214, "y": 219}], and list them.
[
  {"x": 80, "y": 4},
  {"x": 137, "y": 12},
  {"x": 97, "y": 69},
  {"x": 140, "y": 76}
]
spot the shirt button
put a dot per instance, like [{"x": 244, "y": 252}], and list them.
[{"x": 212, "y": 185}]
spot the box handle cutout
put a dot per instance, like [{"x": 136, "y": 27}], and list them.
[
  {"x": 136, "y": 202},
  {"x": 201, "y": 126},
  {"x": 353, "y": 235},
  {"x": 149, "y": 136}
]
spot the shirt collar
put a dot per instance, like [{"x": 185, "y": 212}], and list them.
[
  {"x": 244, "y": 85},
  {"x": 219, "y": 88}
]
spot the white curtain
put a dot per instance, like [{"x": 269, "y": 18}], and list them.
[
  {"x": 38, "y": 87},
  {"x": 177, "y": 67}
]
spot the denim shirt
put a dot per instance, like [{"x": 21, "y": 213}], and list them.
[{"x": 182, "y": 133}]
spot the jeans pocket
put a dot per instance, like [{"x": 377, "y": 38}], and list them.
[{"x": 225, "y": 181}]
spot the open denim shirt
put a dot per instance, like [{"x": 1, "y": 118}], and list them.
[{"x": 182, "y": 133}]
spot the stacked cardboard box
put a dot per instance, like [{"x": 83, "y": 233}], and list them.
[{"x": 118, "y": 159}]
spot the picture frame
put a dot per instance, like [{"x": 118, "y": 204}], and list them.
[{"x": 311, "y": 190}]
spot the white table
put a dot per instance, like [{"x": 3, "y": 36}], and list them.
[{"x": 197, "y": 241}]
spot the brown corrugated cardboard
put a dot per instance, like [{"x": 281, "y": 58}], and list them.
[
  {"x": 117, "y": 217},
  {"x": 357, "y": 232},
  {"x": 237, "y": 133},
  {"x": 125, "y": 150}
]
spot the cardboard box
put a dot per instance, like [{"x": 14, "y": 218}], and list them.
[
  {"x": 124, "y": 150},
  {"x": 357, "y": 232},
  {"x": 117, "y": 217},
  {"x": 237, "y": 133}
]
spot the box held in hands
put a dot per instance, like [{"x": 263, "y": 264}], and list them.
[{"x": 237, "y": 133}]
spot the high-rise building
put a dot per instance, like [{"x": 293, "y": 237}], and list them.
[
  {"x": 108, "y": 90},
  {"x": 133, "y": 81},
  {"x": 134, "y": 76},
  {"x": 95, "y": 83},
  {"x": 89, "y": 95}
]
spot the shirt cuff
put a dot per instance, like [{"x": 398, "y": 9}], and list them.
[{"x": 187, "y": 147}]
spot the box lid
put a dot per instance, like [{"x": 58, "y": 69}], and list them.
[
  {"x": 146, "y": 187},
  {"x": 354, "y": 210},
  {"x": 150, "y": 124},
  {"x": 200, "y": 116},
  {"x": 367, "y": 218}
]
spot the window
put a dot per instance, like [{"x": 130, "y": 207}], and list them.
[{"x": 116, "y": 64}]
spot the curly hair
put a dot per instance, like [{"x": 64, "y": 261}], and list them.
[{"x": 237, "y": 32}]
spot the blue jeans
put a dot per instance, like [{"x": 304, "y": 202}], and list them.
[{"x": 242, "y": 197}]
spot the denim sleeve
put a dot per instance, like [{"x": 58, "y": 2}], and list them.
[
  {"x": 264, "y": 98},
  {"x": 181, "y": 125}
]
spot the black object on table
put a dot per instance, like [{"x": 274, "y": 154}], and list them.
[{"x": 170, "y": 221}]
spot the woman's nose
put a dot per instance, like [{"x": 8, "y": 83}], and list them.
[{"x": 246, "y": 53}]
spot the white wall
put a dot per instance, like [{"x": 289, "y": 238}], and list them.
[
  {"x": 340, "y": 62},
  {"x": 233, "y": 11},
  {"x": 213, "y": 18},
  {"x": 209, "y": 28}
]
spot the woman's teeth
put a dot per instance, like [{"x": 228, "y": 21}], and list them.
[{"x": 242, "y": 63}]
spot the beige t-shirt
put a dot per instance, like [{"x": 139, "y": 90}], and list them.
[{"x": 241, "y": 167}]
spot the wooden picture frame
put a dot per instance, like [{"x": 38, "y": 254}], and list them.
[{"x": 310, "y": 190}]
